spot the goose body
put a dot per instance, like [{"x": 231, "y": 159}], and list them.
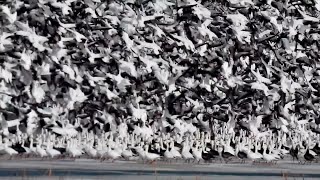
[
  {"x": 174, "y": 151},
  {"x": 112, "y": 154},
  {"x": 242, "y": 155},
  {"x": 8, "y": 150},
  {"x": 254, "y": 155},
  {"x": 141, "y": 140},
  {"x": 197, "y": 154},
  {"x": 5, "y": 149},
  {"x": 268, "y": 157},
  {"x": 308, "y": 156},
  {"x": 127, "y": 154},
  {"x": 176, "y": 154},
  {"x": 41, "y": 152},
  {"x": 101, "y": 152},
  {"x": 72, "y": 150},
  {"x": 52, "y": 153},
  {"x": 91, "y": 152},
  {"x": 168, "y": 154},
  {"x": 19, "y": 149},
  {"x": 186, "y": 155},
  {"x": 150, "y": 156}
]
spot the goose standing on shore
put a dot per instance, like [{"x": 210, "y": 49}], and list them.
[
  {"x": 8, "y": 150},
  {"x": 52, "y": 153}
]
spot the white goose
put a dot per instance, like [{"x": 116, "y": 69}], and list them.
[
  {"x": 112, "y": 154},
  {"x": 227, "y": 147},
  {"x": 8, "y": 150},
  {"x": 127, "y": 153},
  {"x": 140, "y": 151},
  {"x": 27, "y": 149},
  {"x": 168, "y": 154},
  {"x": 72, "y": 150},
  {"x": 40, "y": 151},
  {"x": 52, "y": 153},
  {"x": 33, "y": 150},
  {"x": 186, "y": 155},
  {"x": 101, "y": 149},
  {"x": 151, "y": 157},
  {"x": 174, "y": 151},
  {"x": 92, "y": 152},
  {"x": 197, "y": 152},
  {"x": 253, "y": 155},
  {"x": 267, "y": 157}
]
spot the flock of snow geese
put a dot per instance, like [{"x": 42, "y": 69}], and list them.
[
  {"x": 157, "y": 80},
  {"x": 222, "y": 145}
]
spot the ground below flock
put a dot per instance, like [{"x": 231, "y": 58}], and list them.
[{"x": 93, "y": 169}]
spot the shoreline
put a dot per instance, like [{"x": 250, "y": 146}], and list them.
[{"x": 90, "y": 168}]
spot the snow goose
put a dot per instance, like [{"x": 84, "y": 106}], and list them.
[
  {"x": 118, "y": 146},
  {"x": 151, "y": 157},
  {"x": 17, "y": 146},
  {"x": 174, "y": 151},
  {"x": 90, "y": 151},
  {"x": 72, "y": 150},
  {"x": 273, "y": 151},
  {"x": 168, "y": 154},
  {"x": 213, "y": 151},
  {"x": 309, "y": 155},
  {"x": 41, "y": 151},
  {"x": 241, "y": 154},
  {"x": 301, "y": 152},
  {"x": 33, "y": 150},
  {"x": 197, "y": 153},
  {"x": 27, "y": 149},
  {"x": 228, "y": 148},
  {"x": 66, "y": 130},
  {"x": 8, "y": 150},
  {"x": 267, "y": 157},
  {"x": 254, "y": 155},
  {"x": 127, "y": 153},
  {"x": 227, "y": 151},
  {"x": 112, "y": 154},
  {"x": 282, "y": 149},
  {"x": 11, "y": 17},
  {"x": 60, "y": 145},
  {"x": 186, "y": 155},
  {"x": 206, "y": 155},
  {"x": 224, "y": 155},
  {"x": 52, "y": 153},
  {"x": 140, "y": 151},
  {"x": 220, "y": 150},
  {"x": 101, "y": 148}
]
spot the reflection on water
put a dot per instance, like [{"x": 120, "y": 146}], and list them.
[{"x": 142, "y": 174}]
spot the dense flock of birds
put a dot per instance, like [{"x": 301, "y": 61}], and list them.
[
  {"x": 183, "y": 79},
  {"x": 219, "y": 146}
]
